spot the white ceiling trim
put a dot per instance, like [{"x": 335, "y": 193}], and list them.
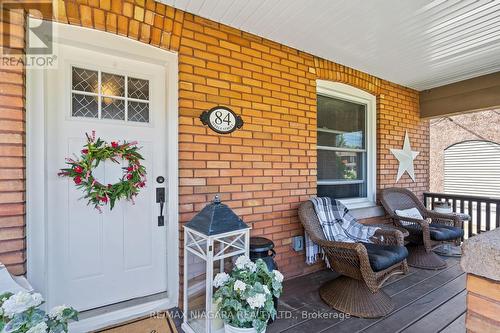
[{"x": 420, "y": 43}]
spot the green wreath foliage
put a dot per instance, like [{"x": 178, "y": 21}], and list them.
[{"x": 97, "y": 151}]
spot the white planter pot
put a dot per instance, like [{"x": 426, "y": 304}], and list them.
[
  {"x": 217, "y": 322},
  {"x": 231, "y": 329}
]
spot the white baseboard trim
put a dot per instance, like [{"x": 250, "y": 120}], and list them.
[{"x": 119, "y": 316}]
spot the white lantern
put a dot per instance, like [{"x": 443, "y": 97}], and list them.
[{"x": 212, "y": 240}]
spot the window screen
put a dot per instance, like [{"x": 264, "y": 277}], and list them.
[{"x": 341, "y": 148}]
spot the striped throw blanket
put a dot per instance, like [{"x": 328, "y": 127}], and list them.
[{"x": 338, "y": 225}]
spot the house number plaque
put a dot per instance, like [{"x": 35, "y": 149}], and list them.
[{"x": 221, "y": 119}]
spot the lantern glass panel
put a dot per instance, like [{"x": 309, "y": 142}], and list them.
[
  {"x": 196, "y": 291},
  {"x": 229, "y": 245},
  {"x": 220, "y": 265}
]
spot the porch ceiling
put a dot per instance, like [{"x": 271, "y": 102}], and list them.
[{"x": 420, "y": 43}]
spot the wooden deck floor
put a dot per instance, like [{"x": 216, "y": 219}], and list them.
[{"x": 426, "y": 302}]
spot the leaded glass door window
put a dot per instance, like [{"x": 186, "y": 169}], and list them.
[{"x": 102, "y": 95}]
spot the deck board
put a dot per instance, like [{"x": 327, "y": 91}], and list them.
[
  {"x": 439, "y": 318},
  {"x": 456, "y": 326},
  {"x": 406, "y": 315},
  {"x": 401, "y": 299},
  {"x": 425, "y": 301}
]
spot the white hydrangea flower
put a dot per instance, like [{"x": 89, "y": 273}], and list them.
[
  {"x": 37, "y": 299},
  {"x": 221, "y": 279},
  {"x": 242, "y": 262},
  {"x": 266, "y": 289},
  {"x": 239, "y": 285},
  {"x": 21, "y": 302},
  {"x": 38, "y": 328},
  {"x": 278, "y": 276},
  {"x": 251, "y": 266},
  {"x": 256, "y": 301},
  {"x": 57, "y": 312}
]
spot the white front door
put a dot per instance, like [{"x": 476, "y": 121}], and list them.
[{"x": 96, "y": 259}]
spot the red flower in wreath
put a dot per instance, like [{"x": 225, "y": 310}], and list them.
[
  {"x": 85, "y": 151},
  {"x": 78, "y": 169},
  {"x": 104, "y": 199},
  {"x": 114, "y": 144},
  {"x": 129, "y": 176},
  {"x": 77, "y": 180}
]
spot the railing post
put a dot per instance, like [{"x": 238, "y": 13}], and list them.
[
  {"x": 488, "y": 217},
  {"x": 478, "y": 214},
  {"x": 497, "y": 215},
  {"x": 469, "y": 222}
]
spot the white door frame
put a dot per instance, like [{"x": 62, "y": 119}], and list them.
[{"x": 36, "y": 179}]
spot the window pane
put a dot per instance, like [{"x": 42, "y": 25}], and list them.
[
  {"x": 84, "y": 80},
  {"x": 138, "y": 112},
  {"x": 341, "y": 123},
  {"x": 342, "y": 191},
  {"x": 84, "y": 106},
  {"x": 341, "y": 165},
  {"x": 138, "y": 88},
  {"x": 112, "y": 85},
  {"x": 112, "y": 108}
]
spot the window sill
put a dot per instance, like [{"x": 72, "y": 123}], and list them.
[
  {"x": 363, "y": 209},
  {"x": 367, "y": 212}
]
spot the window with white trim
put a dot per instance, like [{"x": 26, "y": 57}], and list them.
[{"x": 346, "y": 144}]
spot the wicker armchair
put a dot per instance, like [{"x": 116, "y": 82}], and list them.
[
  {"x": 357, "y": 291},
  {"x": 426, "y": 234}
]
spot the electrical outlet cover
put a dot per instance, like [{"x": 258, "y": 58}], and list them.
[{"x": 298, "y": 243}]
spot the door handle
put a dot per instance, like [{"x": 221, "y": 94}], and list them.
[{"x": 160, "y": 198}]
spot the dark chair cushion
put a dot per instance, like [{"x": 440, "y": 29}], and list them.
[
  {"x": 442, "y": 232},
  {"x": 384, "y": 256}
]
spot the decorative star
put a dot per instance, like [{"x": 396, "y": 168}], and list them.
[{"x": 405, "y": 157}]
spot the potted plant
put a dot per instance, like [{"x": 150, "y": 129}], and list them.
[
  {"x": 21, "y": 313},
  {"x": 245, "y": 297}
]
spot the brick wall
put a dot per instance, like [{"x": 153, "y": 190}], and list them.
[
  {"x": 264, "y": 170},
  {"x": 12, "y": 130}
]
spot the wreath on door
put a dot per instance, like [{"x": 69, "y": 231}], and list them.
[{"x": 97, "y": 151}]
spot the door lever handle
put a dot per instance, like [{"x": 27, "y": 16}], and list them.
[
  {"x": 161, "y": 218},
  {"x": 160, "y": 198}
]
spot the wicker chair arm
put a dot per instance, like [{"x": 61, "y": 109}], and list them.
[
  {"x": 354, "y": 247},
  {"x": 388, "y": 237},
  {"x": 417, "y": 226},
  {"x": 416, "y": 223},
  {"x": 447, "y": 219},
  {"x": 339, "y": 252}
]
